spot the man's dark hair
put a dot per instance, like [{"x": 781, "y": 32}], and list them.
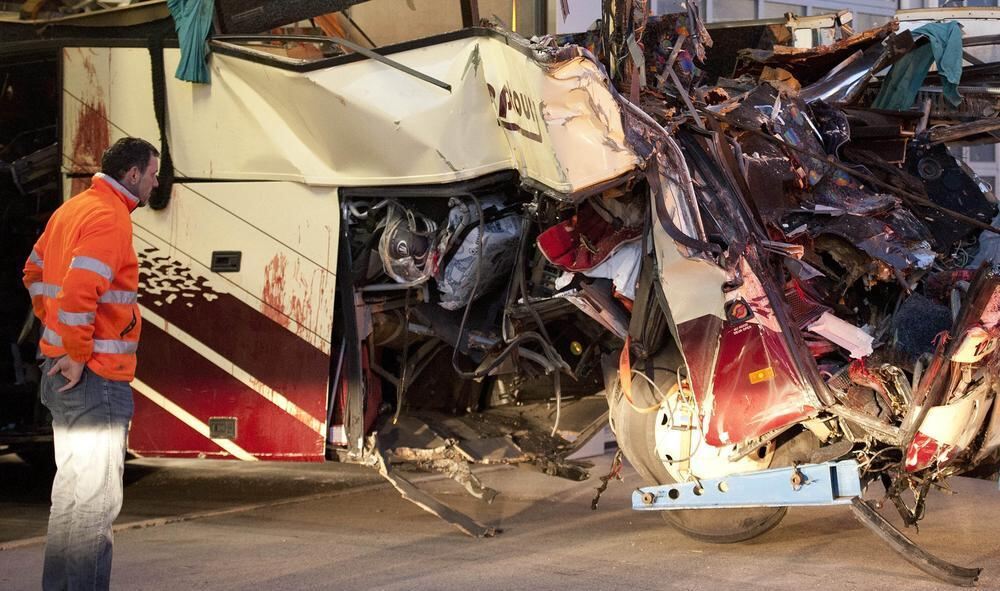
[{"x": 126, "y": 153}]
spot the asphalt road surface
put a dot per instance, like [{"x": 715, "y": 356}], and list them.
[{"x": 229, "y": 525}]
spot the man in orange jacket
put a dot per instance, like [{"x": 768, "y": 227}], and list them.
[{"x": 83, "y": 278}]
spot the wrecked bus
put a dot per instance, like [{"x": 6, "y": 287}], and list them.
[{"x": 474, "y": 247}]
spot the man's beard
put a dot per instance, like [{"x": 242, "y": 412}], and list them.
[{"x": 133, "y": 188}]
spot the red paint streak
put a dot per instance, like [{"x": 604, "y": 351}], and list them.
[
  {"x": 92, "y": 137},
  {"x": 279, "y": 281},
  {"x": 240, "y": 333},
  {"x": 88, "y": 65},
  {"x": 274, "y": 291},
  {"x": 301, "y": 305},
  {"x": 301, "y": 312},
  {"x": 93, "y": 134}
]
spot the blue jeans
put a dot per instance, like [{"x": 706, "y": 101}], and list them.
[{"x": 89, "y": 428}]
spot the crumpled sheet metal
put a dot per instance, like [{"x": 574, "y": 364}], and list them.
[
  {"x": 845, "y": 83},
  {"x": 556, "y": 122},
  {"x": 673, "y": 200},
  {"x": 410, "y": 492},
  {"x": 899, "y": 239},
  {"x": 769, "y": 174},
  {"x": 681, "y": 268},
  {"x": 855, "y": 216},
  {"x": 586, "y": 142},
  {"x": 788, "y": 118},
  {"x": 811, "y": 64},
  {"x": 833, "y": 125},
  {"x": 599, "y": 306},
  {"x": 791, "y": 120},
  {"x": 876, "y": 223},
  {"x": 850, "y": 198},
  {"x": 449, "y": 460},
  {"x": 781, "y": 79},
  {"x": 969, "y": 343},
  {"x": 744, "y": 375}
]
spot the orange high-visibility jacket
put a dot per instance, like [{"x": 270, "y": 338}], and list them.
[{"x": 83, "y": 278}]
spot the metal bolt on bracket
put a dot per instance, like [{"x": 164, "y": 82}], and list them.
[{"x": 798, "y": 478}]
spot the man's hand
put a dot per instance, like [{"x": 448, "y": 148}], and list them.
[{"x": 71, "y": 370}]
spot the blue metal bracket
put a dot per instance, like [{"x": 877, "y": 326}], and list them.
[{"x": 830, "y": 483}]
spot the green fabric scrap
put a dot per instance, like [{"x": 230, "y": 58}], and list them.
[
  {"x": 193, "y": 20},
  {"x": 944, "y": 47}
]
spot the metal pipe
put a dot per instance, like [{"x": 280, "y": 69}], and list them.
[{"x": 989, "y": 90}]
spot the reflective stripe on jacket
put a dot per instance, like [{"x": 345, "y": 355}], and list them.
[{"x": 83, "y": 278}]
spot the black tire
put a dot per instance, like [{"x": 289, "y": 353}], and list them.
[{"x": 636, "y": 438}]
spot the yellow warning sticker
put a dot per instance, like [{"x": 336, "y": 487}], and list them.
[{"x": 762, "y": 375}]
